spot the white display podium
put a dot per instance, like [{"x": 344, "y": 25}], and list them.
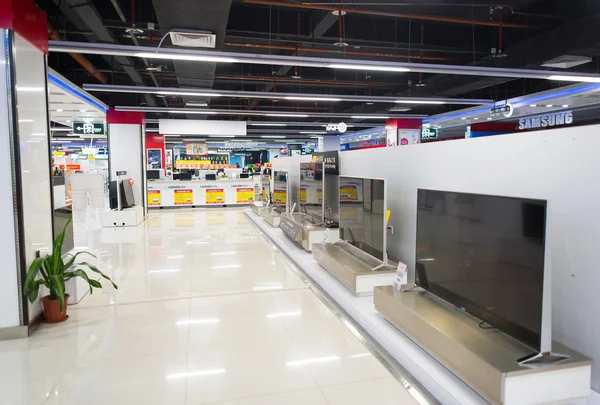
[{"x": 131, "y": 216}]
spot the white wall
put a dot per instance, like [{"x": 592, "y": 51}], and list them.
[
  {"x": 559, "y": 165},
  {"x": 32, "y": 111},
  {"x": 126, "y": 151},
  {"x": 9, "y": 292}
]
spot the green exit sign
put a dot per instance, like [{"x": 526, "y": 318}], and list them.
[
  {"x": 429, "y": 133},
  {"x": 84, "y": 128}
]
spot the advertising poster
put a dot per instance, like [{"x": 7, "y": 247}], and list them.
[
  {"x": 192, "y": 164},
  {"x": 196, "y": 149},
  {"x": 280, "y": 196},
  {"x": 264, "y": 193},
  {"x": 244, "y": 195},
  {"x": 409, "y": 136},
  {"x": 348, "y": 192},
  {"x": 303, "y": 195},
  {"x": 215, "y": 196},
  {"x": 153, "y": 197},
  {"x": 183, "y": 197},
  {"x": 320, "y": 195}
]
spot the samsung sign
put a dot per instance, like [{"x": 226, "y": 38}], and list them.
[{"x": 546, "y": 120}]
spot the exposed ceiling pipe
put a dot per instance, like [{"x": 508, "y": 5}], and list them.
[
  {"x": 82, "y": 60},
  {"x": 347, "y": 52},
  {"x": 423, "y": 17}
]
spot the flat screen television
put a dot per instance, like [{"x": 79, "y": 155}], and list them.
[
  {"x": 153, "y": 174},
  {"x": 485, "y": 254},
  {"x": 127, "y": 198},
  {"x": 280, "y": 188},
  {"x": 311, "y": 190},
  {"x": 363, "y": 215}
]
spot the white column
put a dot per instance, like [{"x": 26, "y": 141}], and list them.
[
  {"x": 25, "y": 183},
  {"x": 127, "y": 150}
]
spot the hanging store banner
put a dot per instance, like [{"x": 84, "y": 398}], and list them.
[
  {"x": 215, "y": 196},
  {"x": 546, "y": 120},
  {"x": 183, "y": 197},
  {"x": 244, "y": 195},
  {"x": 196, "y": 149}
]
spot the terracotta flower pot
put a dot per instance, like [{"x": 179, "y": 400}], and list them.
[{"x": 52, "y": 309}]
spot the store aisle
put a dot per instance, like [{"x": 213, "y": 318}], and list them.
[{"x": 206, "y": 312}]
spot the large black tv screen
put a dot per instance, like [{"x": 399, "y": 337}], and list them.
[{"x": 485, "y": 255}]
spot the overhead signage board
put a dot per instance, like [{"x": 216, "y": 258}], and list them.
[
  {"x": 84, "y": 128},
  {"x": 429, "y": 133},
  {"x": 546, "y": 120},
  {"x": 233, "y": 145},
  {"x": 330, "y": 160}
]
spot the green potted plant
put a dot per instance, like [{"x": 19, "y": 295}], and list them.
[{"x": 55, "y": 272}]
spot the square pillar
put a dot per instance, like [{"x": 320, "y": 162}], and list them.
[{"x": 127, "y": 151}]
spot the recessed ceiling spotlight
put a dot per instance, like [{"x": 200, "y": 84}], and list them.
[
  {"x": 420, "y": 84},
  {"x": 341, "y": 44},
  {"x": 296, "y": 76},
  {"x": 476, "y": 118},
  {"x": 549, "y": 105},
  {"x": 337, "y": 12},
  {"x": 59, "y": 110},
  {"x": 489, "y": 118},
  {"x": 134, "y": 31},
  {"x": 82, "y": 110},
  {"x": 369, "y": 103},
  {"x": 565, "y": 105},
  {"x": 463, "y": 118},
  {"x": 532, "y": 105}
]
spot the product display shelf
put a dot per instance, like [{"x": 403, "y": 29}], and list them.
[
  {"x": 485, "y": 359},
  {"x": 359, "y": 271},
  {"x": 302, "y": 228},
  {"x": 271, "y": 215}
]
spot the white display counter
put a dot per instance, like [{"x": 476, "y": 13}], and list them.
[{"x": 193, "y": 193}]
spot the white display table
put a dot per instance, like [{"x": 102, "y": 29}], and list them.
[{"x": 192, "y": 193}]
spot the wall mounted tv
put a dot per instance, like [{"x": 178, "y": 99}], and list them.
[
  {"x": 363, "y": 215},
  {"x": 486, "y": 255}
]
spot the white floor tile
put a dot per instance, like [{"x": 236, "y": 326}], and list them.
[
  {"x": 385, "y": 391},
  {"x": 206, "y": 312}
]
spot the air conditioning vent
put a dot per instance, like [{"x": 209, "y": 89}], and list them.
[
  {"x": 567, "y": 61},
  {"x": 193, "y": 39}
]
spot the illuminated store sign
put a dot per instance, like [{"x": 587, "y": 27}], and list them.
[
  {"x": 429, "y": 133},
  {"x": 231, "y": 145},
  {"x": 546, "y": 120},
  {"x": 341, "y": 127}
]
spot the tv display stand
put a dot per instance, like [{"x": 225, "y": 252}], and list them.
[{"x": 485, "y": 359}]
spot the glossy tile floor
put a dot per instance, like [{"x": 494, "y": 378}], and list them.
[{"x": 206, "y": 313}]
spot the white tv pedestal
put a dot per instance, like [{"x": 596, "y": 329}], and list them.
[{"x": 132, "y": 216}]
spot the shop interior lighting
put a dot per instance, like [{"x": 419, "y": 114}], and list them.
[
  {"x": 313, "y": 132},
  {"x": 169, "y": 134},
  {"x": 370, "y": 117},
  {"x": 272, "y": 136},
  {"x": 222, "y": 136},
  {"x": 565, "y": 105},
  {"x": 549, "y": 105},
  {"x": 59, "y": 110},
  {"x": 287, "y": 115},
  {"x": 267, "y": 124},
  {"x": 190, "y": 57},
  {"x": 419, "y": 102},
  {"x": 532, "y": 105},
  {"x": 174, "y": 92},
  {"x": 152, "y": 130},
  {"x": 307, "y": 98},
  {"x": 567, "y": 78},
  {"x": 303, "y": 61},
  {"x": 29, "y": 89},
  {"x": 61, "y": 129},
  {"x": 368, "y": 67}
]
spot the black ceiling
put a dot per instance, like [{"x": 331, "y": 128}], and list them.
[{"x": 533, "y": 31}]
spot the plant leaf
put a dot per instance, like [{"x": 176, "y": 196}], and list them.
[
  {"x": 30, "y": 288},
  {"x": 58, "y": 282},
  {"x": 83, "y": 275},
  {"x": 57, "y": 251},
  {"x": 96, "y": 270},
  {"x": 71, "y": 261}
]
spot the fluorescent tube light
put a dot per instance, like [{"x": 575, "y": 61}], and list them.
[
  {"x": 369, "y": 117},
  {"x": 287, "y": 115},
  {"x": 59, "y": 141},
  {"x": 61, "y": 129},
  {"x": 191, "y": 112},
  {"x": 566, "y": 78},
  {"x": 172, "y": 135},
  {"x": 313, "y": 132},
  {"x": 221, "y": 136},
  {"x": 369, "y": 67},
  {"x": 175, "y": 92},
  {"x": 30, "y": 89},
  {"x": 197, "y": 58},
  {"x": 306, "y": 98},
  {"x": 153, "y": 130},
  {"x": 266, "y": 124},
  {"x": 419, "y": 102},
  {"x": 272, "y": 136}
]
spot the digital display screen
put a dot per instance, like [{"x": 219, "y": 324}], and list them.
[
  {"x": 484, "y": 254},
  {"x": 362, "y": 214}
]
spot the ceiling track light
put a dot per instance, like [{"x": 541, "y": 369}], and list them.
[
  {"x": 190, "y": 92},
  {"x": 303, "y": 61},
  {"x": 240, "y": 112}
]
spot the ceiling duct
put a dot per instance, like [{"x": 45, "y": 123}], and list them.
[
  {"x": 567, "y": 61},
  {"x": 193, "y": 39}
]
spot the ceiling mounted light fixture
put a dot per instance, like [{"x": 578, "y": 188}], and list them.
[
  {"x": 189, "y": 57},
  {"x": 287, "y": 115},
  {"x": 272, "y": 136},
  {"x": 419, "y": 102},
  {"x": 567, "y": 78},
  {"x": 369, "y": 67},
  {"x": 369, "y": 117},
  {"x": 308, "y": 98}
]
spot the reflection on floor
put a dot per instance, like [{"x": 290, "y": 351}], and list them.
[{"x": 206, "y": 312}]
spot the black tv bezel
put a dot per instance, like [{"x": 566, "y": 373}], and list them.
[{"x": 517, "y": 332}]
